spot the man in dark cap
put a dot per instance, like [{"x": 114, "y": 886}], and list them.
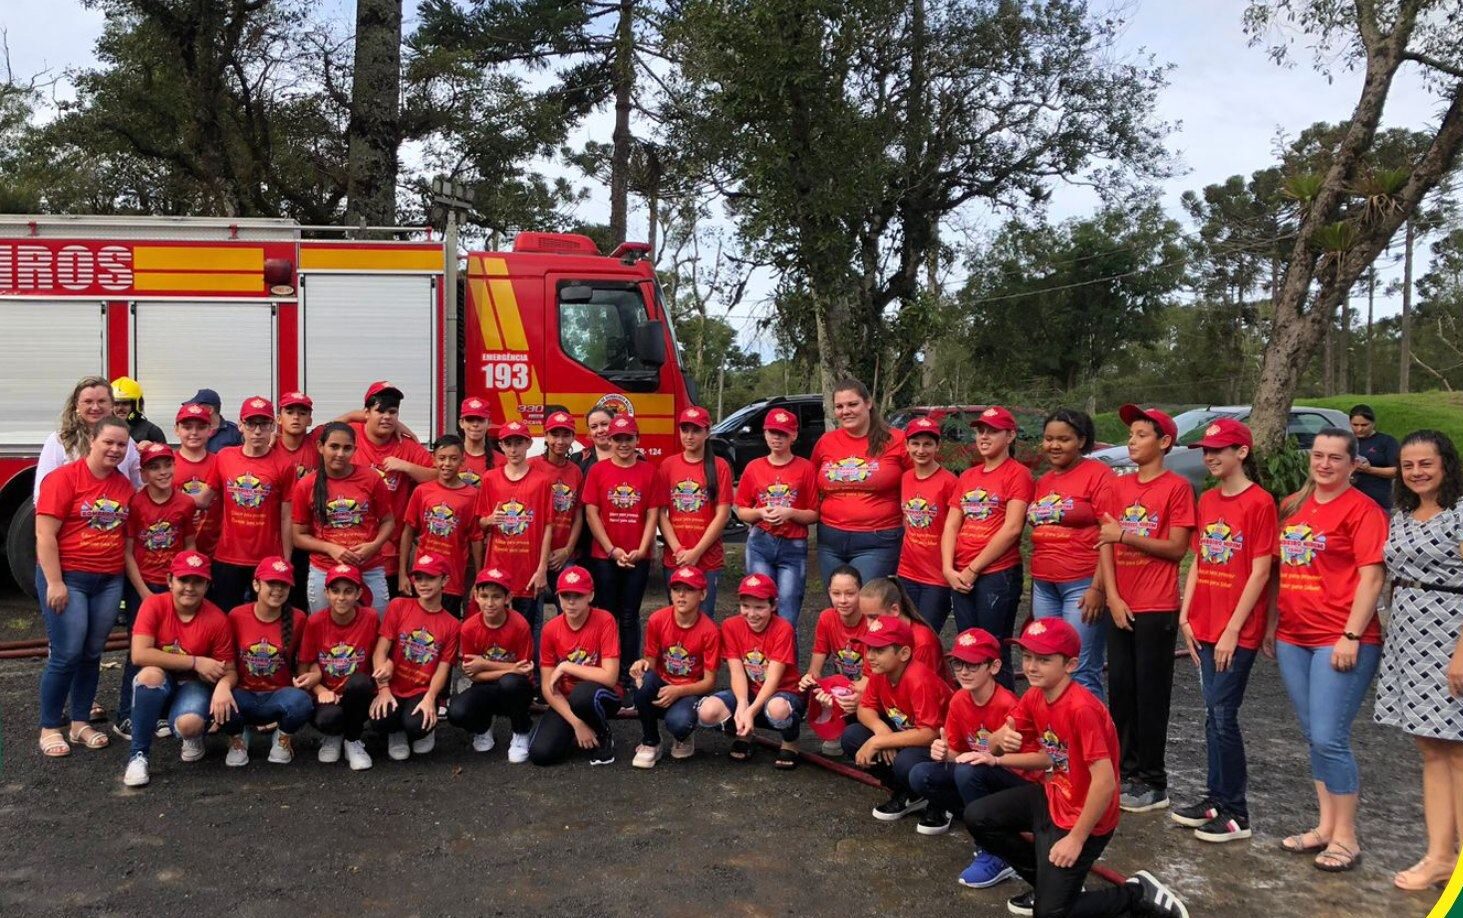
[{"x": 223, "y": 432}]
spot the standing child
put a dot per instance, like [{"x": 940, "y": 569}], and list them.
[
  {"x": 266, "y": 689},
  {"x": 1072, "y": 813},
  {"x": 762, "y": 662},
  {"x": 293, "y": 449},
  {"x": 696, "y": 491},
  {"x": 338, "y": 642},
  {"x": 899, "y": 717},
  {"x": 477, "y": 452},
  {"x": 496, "y": 653},
  {"x": 1223, "y": 620},
  {"x": 579, "y": 670},
  {"x": 778, "y": 497},
  {"x": 440, "y": 519},
  {"x": 682, "y": 653},
  {"x": 565, "y": 481},
  {"x": 193, "y": 469},
  {"x": 401, "y": 461},
  {"x": 513, "y": 510},
  {"x": 412, "y": 662},
  {"x": 924, "y": 499},
  {"x": 253, "y": 489},
  {"x": 885, "y": 596},
  {"x": 838, "y": 638},
  {"x": 1140, "y": 555}
]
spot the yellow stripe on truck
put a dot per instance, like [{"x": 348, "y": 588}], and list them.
[
  {"x": 197, "y": 258},
  {"x": 160, "y": 282},
  {"x": 371, "y": 259},
  {"x": 507, "y": 334}
]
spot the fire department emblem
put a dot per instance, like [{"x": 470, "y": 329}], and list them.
[
  {"x": 248, "y": 491},
  {"x": 516, "y": 518}
]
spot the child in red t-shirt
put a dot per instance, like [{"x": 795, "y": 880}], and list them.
[
  {"x": 899, "y": 716},
  {"x": 252, "y": 489},
  {"x": 515, "y": 516},
  {"x": 412, "y": 662},
  {"x": 566, "y": 479},
  {"x": 579, "y": 667},
  {"x": 441, "y": 519},
  {"x": 924, "y": 500},
  {"x": 838, "y": 640},
  {"x": 886, "y": 596},
  {"x": 682, "y": 653},
  {"x": 266, "y": 690},
  {"x": 193, "y": 467},
  {"x": 777, "y": 496},
  {"x": 696, "y": 494},
  {"x": 1072, "y": 812},
  {"x": 496, "y": 654},
  {"x": 476, "y": 426},
  {"x": 337, "y": 645}
]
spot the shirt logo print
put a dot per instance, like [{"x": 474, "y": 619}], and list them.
[
  {"x": 919, "y": 513},
  {"x": 103, "y": 514},
  {"x": 248, "y": 491},
  {"x": 1299, "y": 544},
  {"x": 850, "y": 470},
  {"x": 687, "y": 496},
  {"x": 1219, "y": 542}
]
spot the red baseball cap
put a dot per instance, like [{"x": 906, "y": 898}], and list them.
[
  {"x": 559, "y": 420},
  {"x": 758, "y": 586},
  {"x": 193, "y": 412},
  {"x": 494, "y": 576},
  {"x": 888, "y": 631},
  {"x": 347, "y": 572},
  {"x": 828, "y": 722},
  {"x": 382, "y": 387},
  {"x": 692, "y": 577},
  {"x": 996, "y": 418},
  {"x": 295, "y": 400},
  {"x": 922, "y": 426},
  {"x": 191, "y": 564},
  {"x": 154, "y": 452},
  {"x": 1164, "y": 423},
  {"x": 575, "y": 580},
  {"x": 1223, "y": 432},
  {"x": 624, "y": 425},
  {"x": 696, "y": 415},
  {"x": 275, "y": 569},
  {"x": 429, "y": 564},
  {"x": 782, "y": 421},
  {"x": 514, "y": 429},
  {"x": 473, "y": 407},
  {"x": 975, "y": 645},
  {"x": 256, "y": 407},
  {"x": 1050, "y": 635}
]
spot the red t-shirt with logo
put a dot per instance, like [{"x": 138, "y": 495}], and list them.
[
  {"x": 1149, "y": 508},
  {"x": 93, "y": 513},
  {"x": 684, "y": 494},
  {"x": 860, "y": 492},
  {"x": 399, "y": 485},
  {"x": 925, "y": 502},
  {"x": 682, "y": 655},
  {"x": 843, "y": 645},
  {"x": 1064, "y": 518},
  {"x": 301, "y": 461},
  {"x": 510, "y": 642},
  {"x": 776, "y": 643},
  {"x": 1076, "y": 731},
  {"x": 564, "y": 484},
  {"x": 251, "y": 493},
  {"x": 339, "y": 650},
  {"x": 1231, "y": 533},
  {"x": 262, "y": 660},
  {"x": 474, "y": 468},
  {"x": 597, "y": 640},
  {"x": 793, "y": 486},
  {"x": 516, "y": 545},
  {"x": 192, "y": 478},
  {"x": 159, "y": 531},
  {"x": 968, "y": 726},
  {"x": 354, "y": 506},
  {"x": 623, "y": 497},
  {"x": 444, "y": 519},
  {"x": 918, "y": 700},
  {"x": 207, "y": 634},
  {"x": 981, "y": 497},
  {"x": 421, "y": 641},
  {"x": 1322, "y": 548}
]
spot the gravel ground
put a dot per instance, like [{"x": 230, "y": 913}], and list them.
[{"x": 456, "y": 833}]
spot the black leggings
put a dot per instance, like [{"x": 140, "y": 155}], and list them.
[
  {"x": 404, "y": 718},
  {"x": 1139, "y": 690},
  {"x": 553, "y": 738},
  {"x": 347, "y": 717},
  {"x": 620, "y": 591},
  {"x": 474, "y": 709}
]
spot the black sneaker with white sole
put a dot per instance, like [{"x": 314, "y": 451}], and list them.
[
  {"x": 1195, "y": 814},
  {"x": 123, "y": 728},
  {"x": 1226, "y": 827},
  {"x": 1024, "y": 904},
  {"x": 898, "y": 806},
  {"x": 604, "y": 753},
  {"x": 933, "y": 821},
  {"x": 1156, "y": 899},
  {"x": 1140, "y": 798}
]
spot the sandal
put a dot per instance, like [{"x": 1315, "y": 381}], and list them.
[
  {"x": 54, "y": 746},
  {"x": 741, "y": 751},
  {"x": 1297, "y": 844},
  {"x": 90, "y": 737},
  {"x": 1337, "y": 858},
  {"x": 1421, "y": 877},
  {"x": 787, "y": 759}
]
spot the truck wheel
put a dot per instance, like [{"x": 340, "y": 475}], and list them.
[{"x": 20, "y": 547}]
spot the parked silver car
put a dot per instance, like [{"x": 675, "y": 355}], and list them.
[{"x": 1305, "y": 423}]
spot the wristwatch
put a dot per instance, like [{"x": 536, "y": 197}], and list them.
[{"x": 1350, "y": 637}]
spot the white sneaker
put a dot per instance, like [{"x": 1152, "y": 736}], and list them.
[
  {"x": 483, "y": 742},
  {"x": 356, "y": 754},
  {"x": 397, "y": 747},
  {"x": 238, "y": 755},
  {"x": 330, "y": 749},
  {"x": 163, "y": 730},
  {"x": 193, "y": 749},
  {"x": 646, "y": 756},
  {"x": 518, "y": 748},
  {"x": 684, "y": 749},
  {"x": 831, "y": 748},
  {"x": 136, "y": 774},
  {"x": 426, "y": 744},
  {"x": 282, "y": 751}
]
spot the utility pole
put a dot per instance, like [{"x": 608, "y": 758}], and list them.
[{"x": 450, "y": 200}]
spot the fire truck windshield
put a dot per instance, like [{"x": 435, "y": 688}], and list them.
[{"x": 601, "y": 332}]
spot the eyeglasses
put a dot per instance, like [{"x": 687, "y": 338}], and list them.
[{"x": 958, "y": 665}]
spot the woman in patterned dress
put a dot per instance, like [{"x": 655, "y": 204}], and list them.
[{"x": 1421, "y": 685}]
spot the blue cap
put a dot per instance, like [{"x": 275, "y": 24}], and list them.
[{"x": 206, "y": 397}]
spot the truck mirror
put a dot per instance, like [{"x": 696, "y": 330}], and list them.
[
  {"x": 650, "y": 343},
  {"x": 576, "y": 293}
]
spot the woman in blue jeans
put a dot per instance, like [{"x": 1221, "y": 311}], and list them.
[
  {"x": 81, "y": 529},
  {"x": 1325, "y": 634},
  {"x": 860, "y": 466},
  {"x": 777, "y": 497}
]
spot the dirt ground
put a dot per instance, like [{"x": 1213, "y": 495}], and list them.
[{"x": 455, "y": 833}]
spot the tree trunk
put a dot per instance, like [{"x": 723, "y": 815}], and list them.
[
  {"x": 1328, "y": 362},
  {"x": 375, "y": 128},
  {"x": 624, "y": 69},
  {"x": 1404, "y": 349},
  {"x": 1371, "y": 302},
  {"x": 1343, "y": 348}
]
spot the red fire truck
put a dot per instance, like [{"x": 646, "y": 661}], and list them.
[{"x": 258, "y": 306}]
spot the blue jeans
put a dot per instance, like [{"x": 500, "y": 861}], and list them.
[
  {"x": 951, "y": 787},
  {"x": 785, "y": 561},
  {"x": 130, "y": 601},
  {"x": 991, "y": 604},
  {"x": 619, "y": 591},
  {"x": 1223, "y": 694},
  {"x": 790, "y": 727},
  {"x": 191, "y": 696},
  {"x": 375, "y": 582},
  {"x": 1052, "y": 600},
  {"x": 680, "y": 717},
  {"x": 77, "y": 636},
  {"x": 1326, "y": 701},
  {"x": 289, "y": 707},
  {"x": 931, "y": 601},
  {"x": 896, "y": 776},
  {"x": 874, "y": 554},
  {"x": 708, "y": 602}
]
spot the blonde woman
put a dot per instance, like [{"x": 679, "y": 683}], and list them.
[{"x": 90, "y": 401}]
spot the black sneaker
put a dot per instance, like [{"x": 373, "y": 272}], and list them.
[
  {"x": 123, "y": 728},
  {"x": 1157, "y": 900},
  {"x": 1195, "y": 814},
  {"x": 1024, "y": 904},
  {"x": 604, "y": 753},
  {"x": 1225, "y": 827},
  {"x": 898, "y": 806},
  {"x": 1140, "y": 798},
  {"x": 933, "y": 821}
]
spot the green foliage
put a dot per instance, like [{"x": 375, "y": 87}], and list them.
[
  {"x": 1399, "y": 415},
  {"x": 1284, "y": 471}
]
